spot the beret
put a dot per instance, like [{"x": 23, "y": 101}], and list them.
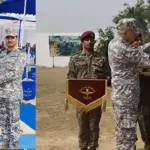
[{"x": 86, "y": 34}]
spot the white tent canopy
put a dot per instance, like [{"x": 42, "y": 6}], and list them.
[
  {"x": 20, "y": 16},
  {"x": 29, "y": 27}
]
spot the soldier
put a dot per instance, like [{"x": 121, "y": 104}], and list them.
[
  {"x": 12, "y": 61},
  {"x": 124, "y": 61},
  {"x": 144, "y": 104},
  {"x": 87, "y": 64}
]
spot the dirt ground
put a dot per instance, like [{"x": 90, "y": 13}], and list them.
[{"x": 57, "y": 129}]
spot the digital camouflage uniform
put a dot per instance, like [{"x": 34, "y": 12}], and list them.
[
  {"x": 11, "y": 70},
  {"x": 144, "y": 106},
  {"x": 87, "y": 67},
  {"x": 124, "y": 62}
]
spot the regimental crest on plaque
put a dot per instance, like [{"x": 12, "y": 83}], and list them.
[{"x": 87, "y": 92}]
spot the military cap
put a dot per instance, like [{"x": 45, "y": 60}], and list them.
[
  {"x": 10, "y": 32},
  {"x": 86, "y": 34},
  {"x": 127, "y": 23}
]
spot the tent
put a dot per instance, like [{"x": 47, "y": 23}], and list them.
[
  {"x": 13, "y": 18},
  {"x": 17, "y": 6},
  {"x": 8, "y": 18}
]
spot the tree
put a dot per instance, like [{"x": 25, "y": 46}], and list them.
[
  {"x": 140, "y": 12},
  {"x": 105, "y": 36}
]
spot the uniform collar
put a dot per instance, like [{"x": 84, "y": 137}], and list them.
[
  {"x": 84, "y": 53},
  {"x": 11, "y": 50}
]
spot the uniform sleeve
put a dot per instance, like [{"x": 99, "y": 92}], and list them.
[
  {"x": 145, "y": 48},
  {"x": 71, "y": 70},
  {"x": 137, "y": 56},
  {"x": 99, "y": 69},
  {"x": 9, "y": 74}
]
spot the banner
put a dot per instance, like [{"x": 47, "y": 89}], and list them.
[
  {"x": 29, "y": 89},
  {"x": 32, "y": 73},
  {"x": 87, "y": 94},
  {"x": 63, "y": 45}
]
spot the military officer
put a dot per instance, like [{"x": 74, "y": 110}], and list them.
[
  {"x": 124, "y": 61},
  {"x": 12, "y": 62},
  {"x": 87, "y": 64},
  {"x": 144, "y": 104}
]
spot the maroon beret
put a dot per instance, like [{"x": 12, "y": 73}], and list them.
[
  {"x": 138, "y": 34},
  {"x": 86, "y": 34}
]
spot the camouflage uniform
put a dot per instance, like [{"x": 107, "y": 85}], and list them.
[
  {"x": 11, "y": 70},
  {"x": 124, "y": 61},
  {"x": 144, "y": 107},
  {"x": 87, "y": 67}
]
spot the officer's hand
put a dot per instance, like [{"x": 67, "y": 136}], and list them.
[{"x": 136, "y": 44}]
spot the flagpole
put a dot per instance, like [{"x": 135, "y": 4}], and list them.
[
  {"x": 1, "y": 32},
  {"x": 53, "y": 53},
  {"x": 24, "y": 14},
  {"x": 19, "y": 33}
]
